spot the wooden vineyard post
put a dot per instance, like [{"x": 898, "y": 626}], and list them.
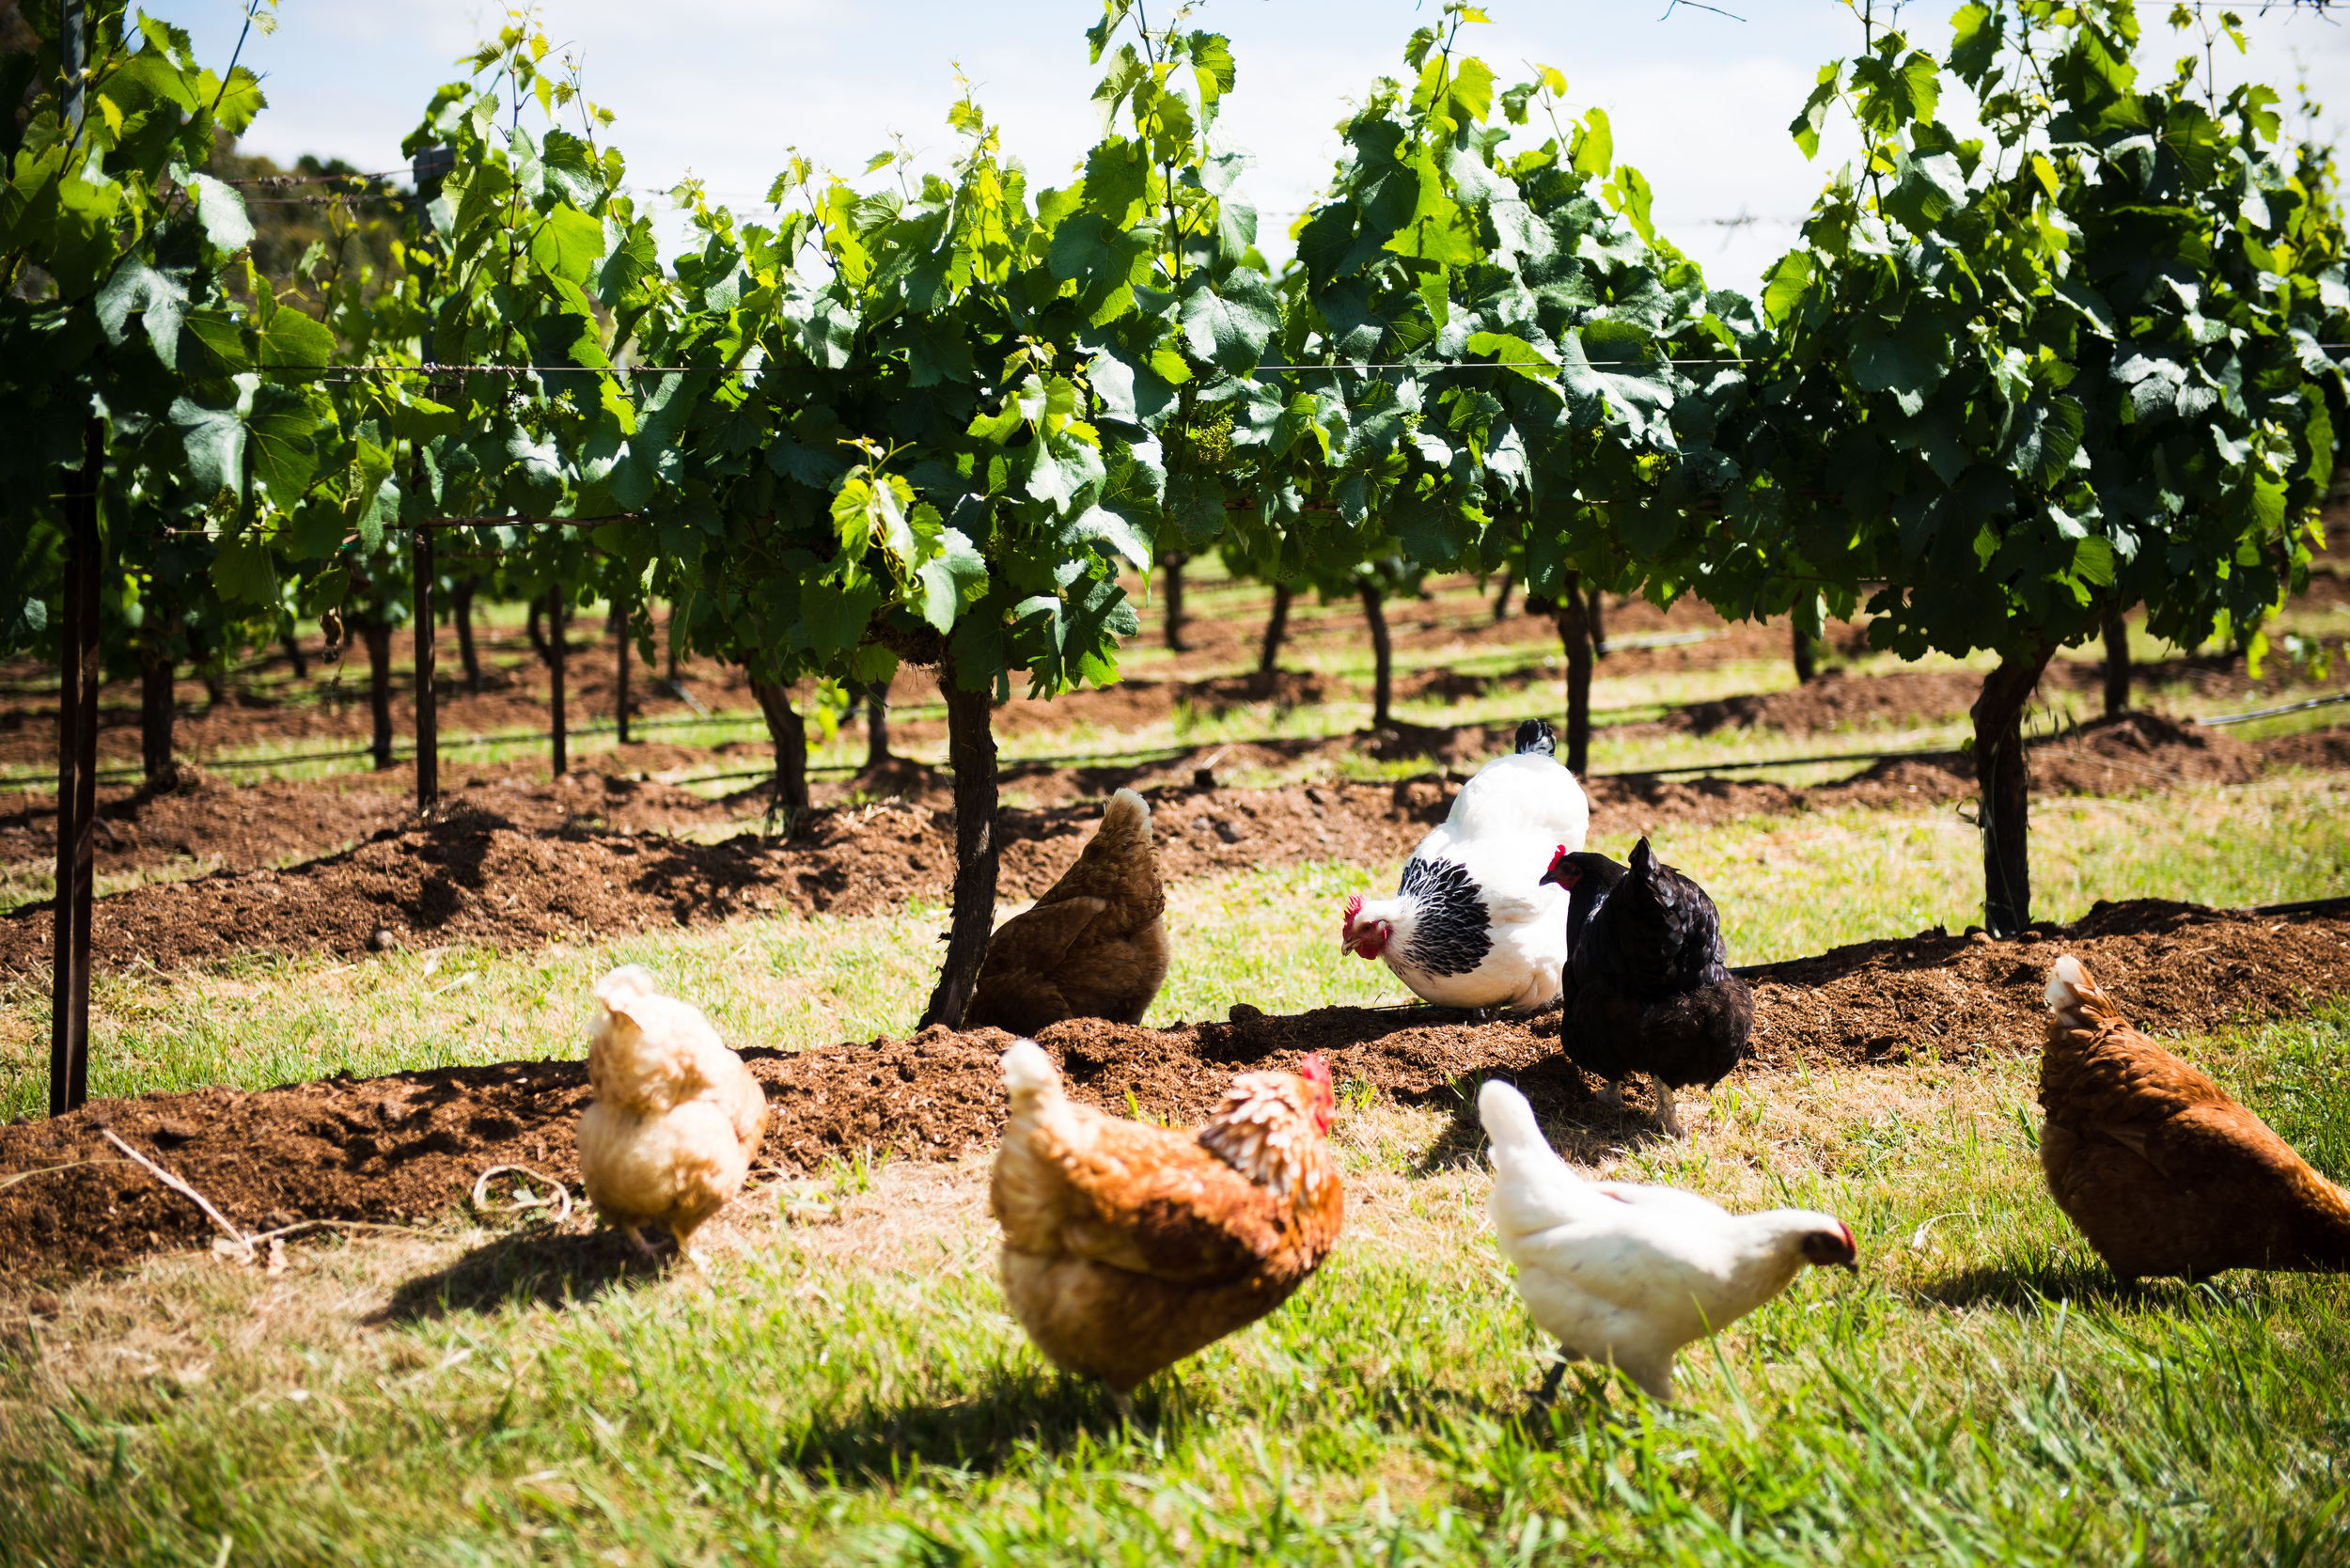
[
  {"x": 427, "y": 710},
  {"x": 620, "y": 701},
  {"x": 555, "y": 676},
  {"x": 77, "y": 786}
]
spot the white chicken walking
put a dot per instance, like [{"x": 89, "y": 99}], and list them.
[
  {"x": 1629, "y": 1274},
  {"x": 1472, "y": 923}
]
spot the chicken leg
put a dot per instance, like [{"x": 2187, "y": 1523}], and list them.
[
  {"x": 1611, "y": 1098},
  {"x": 1558, "y": 1373},
  {"x": 1667, "y": 1110}
]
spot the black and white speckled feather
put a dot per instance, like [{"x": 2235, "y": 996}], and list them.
[{"x": 1452, "y": 933}]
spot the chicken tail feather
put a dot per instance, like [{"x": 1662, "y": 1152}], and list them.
[
  {"x": 2079, "y": 1000},
  {"x": 1028, "y": 1074},
  {"x": 624, "y": 986},
  {"x": 1509, "y": 1120}
]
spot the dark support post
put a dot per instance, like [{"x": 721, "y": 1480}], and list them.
[
  {"x": 1173, "y": 566},
  {"x": 1595, "y": 614},
  {"x": 1501, "y": 599},
  {"x": 971, "y": 753},
  {"x": 555, "y": 649},
  {"x": 77, "y": 785},
  {"x": 620, "y": 701},
  {"x": 461, "y": 611},
  {"x": 1381, "y": 654},
  {"x": 428, "y": 698},
  {"x": 157, "y": 709},
  {"x": 77, "y": 714}
]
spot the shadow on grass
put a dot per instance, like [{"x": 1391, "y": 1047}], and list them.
[
  {"x": 528, "y": 1268},
  {"x": 1016, "y": 1414},
  {"x": 1578, "y": 1125},
  {"x": 2044, "y": 1282},
  {"x": 982, "y": 1432}
]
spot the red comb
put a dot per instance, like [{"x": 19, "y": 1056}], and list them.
[
  {"x": 1313, "y": 1068},
  {"x": 1354, "y": 907}
]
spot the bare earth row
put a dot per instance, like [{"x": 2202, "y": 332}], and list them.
[{"x": 402, "y": 1148}]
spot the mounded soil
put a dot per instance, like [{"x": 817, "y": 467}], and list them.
[{"x": 403, "y": 1148}]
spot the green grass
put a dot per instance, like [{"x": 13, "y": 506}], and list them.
[{"x": 853, "y": 1392}]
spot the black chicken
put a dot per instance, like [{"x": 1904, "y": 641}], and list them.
[{"x": 1646, "y": 987}]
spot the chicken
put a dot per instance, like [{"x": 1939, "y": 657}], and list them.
[
  {"x": 1647, "y": 987},
  {"x": 1631, "y": 1273},
  {"x": 1093, "y": 947},
  {"x": 1128, "y": 1246},
  {"x": 1471, "y": 924},
  {"x": 2162, "y": 1171},
  {"x": 676, "y": 1119}
]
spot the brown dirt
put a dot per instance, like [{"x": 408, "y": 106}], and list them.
[
  {"x": 1836, "y": 701},
  {"x": 204, "y": 817},
  {"x": 405, "y": 1147},
  {"x": 474, "y": 875},
  {"x": 2175, "y": 968}
]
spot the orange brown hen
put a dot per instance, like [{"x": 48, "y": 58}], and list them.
[
  {"x": 1128, "y": 1246},
  {"x": 2161, "y": 1169}
]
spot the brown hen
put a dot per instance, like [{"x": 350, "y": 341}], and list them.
[
  {"x": 1129, "y": 1246},
  {"x": 1093, "y": 947},
  {"x": 2163, "y": 1172}
]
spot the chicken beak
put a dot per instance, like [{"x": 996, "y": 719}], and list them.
[{"x": 1851, "y": 1266}]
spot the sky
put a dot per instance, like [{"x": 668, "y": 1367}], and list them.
[{"x": 1698, "y": 100}]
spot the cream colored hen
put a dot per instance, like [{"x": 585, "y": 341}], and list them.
[{"x": 677, "y": 1116}]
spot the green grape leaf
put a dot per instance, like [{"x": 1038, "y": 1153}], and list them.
[
  {"x": 280, "y": 431},
  {"x": 292, "y": 340},
  {"x": 1230, "y": 324},
  {"x": 214, "y": 439},
  {"x": 956, "y": 575},
  {"x": 163, "y": 296},
  {"x": 243, "y": 573},
  {"x": 1785, "y": 285},
  {"x": 1107, "y": 527},
  {"x": 221, "y": 210},
  {"x": 568, "y": 244},
  {"x": 836, "y": 617}
]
